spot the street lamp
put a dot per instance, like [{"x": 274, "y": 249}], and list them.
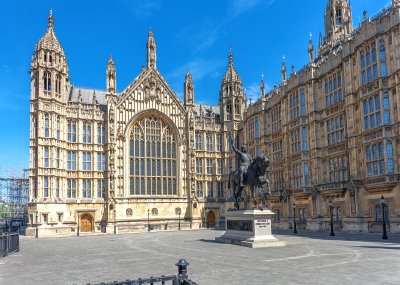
[
  {"x": 37, "y": 230},
  {"x": 331, "y": 213},
  {"x": 384, "y": 236},
  {"x": 77, "y": 231},
  {"x": 294, "y": 218},
  {"x": 148, "y": 220},
  {"x": 179, "y": 222}
]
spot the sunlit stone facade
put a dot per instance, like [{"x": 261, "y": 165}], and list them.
[{"x": 108, "y": 161}]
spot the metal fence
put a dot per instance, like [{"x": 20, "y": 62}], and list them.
[
  {"x": 180, "y": 279},
  {"x": 9, "y": 243}
]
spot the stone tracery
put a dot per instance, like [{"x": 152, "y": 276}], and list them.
[{"x": 152, "y": 158}]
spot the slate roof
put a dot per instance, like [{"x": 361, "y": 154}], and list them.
[
  {"x": 87, "y": 95},
  {"x": 207, "y": 110}
]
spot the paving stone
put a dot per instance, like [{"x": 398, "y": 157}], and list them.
[{"x": 308, "y": 258}]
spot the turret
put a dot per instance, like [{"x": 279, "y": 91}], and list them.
[
  {"x": 283, "y": 70},
  {"x": 151, "y": 51},
  {"x": 111, "y": 76},
  {"x": 188, "y": 90},
  {"x": 310, "y": 50},
  {"x": 49, "y": 68},
  {"x": 262, "y": 87},
  {"x": 231, "y": 96},
  {"x": 338, "y": 22}
]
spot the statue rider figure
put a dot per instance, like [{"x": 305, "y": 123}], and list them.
[{"x": 245, "y": 161}]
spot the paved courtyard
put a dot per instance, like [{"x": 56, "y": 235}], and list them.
[{"x": 309, "y": 258}]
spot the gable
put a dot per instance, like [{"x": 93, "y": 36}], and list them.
[{"x": 149, "y": 85}]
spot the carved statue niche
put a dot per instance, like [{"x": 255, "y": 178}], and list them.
[{"x": 119, "y": 132}]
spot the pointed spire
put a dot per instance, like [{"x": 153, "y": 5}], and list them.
[
  {"x": 262, "y": 87},
  {"x": 111, "y": 75},
  {"x": 230, "y": 56},
  {"x": 231, "y": 73},
  {"x": 50, "y": 25},
  {"x": 283, "y": 70},
  {"x": 310, "y": 49},
  {"x": 320, "y": 41},
  {"x": 111, "y": 60},
  {"x": 188, "y": 90},
  {"x": 94, "y": 97},
  {"x": 151, "y": 50},
  {"x": 188, "y": 75},
  {"x": 80, "y": 96}
]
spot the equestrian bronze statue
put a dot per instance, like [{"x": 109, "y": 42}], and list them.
[{"x": 250, "y": 173}]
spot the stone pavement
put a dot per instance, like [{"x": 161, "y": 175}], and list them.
[{"x": 309, "y": 258}]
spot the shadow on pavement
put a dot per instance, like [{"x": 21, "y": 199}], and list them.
[
  {"x": 380, "y": 247},
  {"x": 345, "y": 236}
]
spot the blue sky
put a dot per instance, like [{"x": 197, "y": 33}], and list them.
[{"x": 194, "y": 34}]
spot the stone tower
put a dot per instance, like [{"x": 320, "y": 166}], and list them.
[
  {"x": 233, "y": 103},
  {"x": 49, "y": 97},
  {"x": 338, "y": 22},
  {"x": 231, "y": 96}
]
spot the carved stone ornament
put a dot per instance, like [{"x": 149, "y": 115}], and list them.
[
  {"x": 129, "y": 212},
  {"x": 119, "y": 132},
  {"x": 352, "y": 188},
  {"x": 154, "y": 211},
  {"x": 152, "y": 88}
]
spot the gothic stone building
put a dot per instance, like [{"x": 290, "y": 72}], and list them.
[{"x": 104, "y": 161}]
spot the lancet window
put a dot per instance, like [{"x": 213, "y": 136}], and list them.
[{"x": 152, "y": 158}]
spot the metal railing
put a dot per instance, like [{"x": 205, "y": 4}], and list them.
[
  {"x": 9, "y": 243},
  {"x": 180, "y": 279}
]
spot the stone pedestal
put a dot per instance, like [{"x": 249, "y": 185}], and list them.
[{"x": 249, "y": 227}]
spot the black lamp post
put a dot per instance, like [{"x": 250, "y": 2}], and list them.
[
  {"x": 331, "y": 213},
  {"x": 77, "y": 231},
  {"x": 384, "y": 236},
  {"x": 37, "y": 230},
  {"x": 148, "y": 220},
  {"x": 179, "y": 221},
  {"x": 294, "y": 218}
]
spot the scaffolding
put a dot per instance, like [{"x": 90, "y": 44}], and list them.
[{"x": 14, "y": 192}]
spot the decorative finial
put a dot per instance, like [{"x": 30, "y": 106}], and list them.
[
  {"x": 230, "y": 56},
  {"x": 365, "y": 14},
  {"x": 50, "y": 18},
  {"x": 283, "y": 59},
  {"x": 111, "y": 60}
]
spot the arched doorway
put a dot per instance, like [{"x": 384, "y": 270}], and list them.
[
  {"x": 212, "y": 218},
  {"x": 86, "y": 223}
]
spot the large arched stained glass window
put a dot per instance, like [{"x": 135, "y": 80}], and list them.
[{"x": 152, "y": 158}]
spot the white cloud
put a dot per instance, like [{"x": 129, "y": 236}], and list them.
[
  {"x": 199, "y": 68},
  {"x": 211, "y": 29},
  {"x": 240, "y": 6},
  {"x": 143, "y": 8}
]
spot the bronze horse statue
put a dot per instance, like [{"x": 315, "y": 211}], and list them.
[{"x": 253, "y": 179}]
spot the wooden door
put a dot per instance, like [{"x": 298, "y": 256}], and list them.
[
  {"x": 86, "y": 223},
  {"x": 211, "y": 218}
]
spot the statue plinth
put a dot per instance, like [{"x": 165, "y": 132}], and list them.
[{"x": 249, "y": 227}]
